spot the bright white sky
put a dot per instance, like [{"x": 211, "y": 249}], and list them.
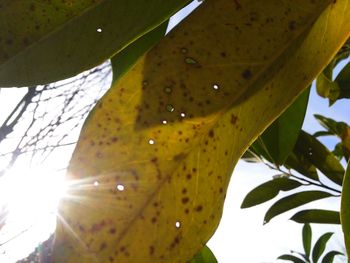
[{"x": 241, "y": 236}]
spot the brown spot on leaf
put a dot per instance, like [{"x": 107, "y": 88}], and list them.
[
  {"x": 199, "y": 208},
  {"x": 185, "y": 200},
  {"x": 233, "y": 119},
  {"x": 247, "y": 74}
]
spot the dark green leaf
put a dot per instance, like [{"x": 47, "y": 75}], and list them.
[
  {"x": 329, "y": 257},
  {"x": 273, "y": 144},
  {"x": 313, "y": 150},
  {"x": 307, "y": 238},
  {"x": 204, "y": 256},
  {"x": 317, "y": 216},
  {"x": 320, "y": 246},
  {"x": 291, "y": 258},
  {"x": 343, "y": 81},
  {"x": 292, "y": 201},
  {"x": 268, "y": 190},
  {"x": 58, "y": 39},
  {"x": 322, "y": 133}
]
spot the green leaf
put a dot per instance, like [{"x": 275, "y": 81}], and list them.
[
  {"x": 291, "y": 258},
  {"x": 343, "y": 82},
  {"x": 317, "y": 154},
  {"x": 344, "y": 209},
  {"x": 275, "y": 142},
  {"x": 58, "y": 39},
  {"x": 268, "y": 190},
  {"x": 307, "y": 238},
  {"x": 322, "y": 133},
  {"x": 329, "y": 257},
  {"x": 320, "y": 246},
  {"x": 204, "y": 256},
  {"x": 151, "y": 168},
  {"x": 317, "y": 216},
  {"x": 292, "y": 201}
]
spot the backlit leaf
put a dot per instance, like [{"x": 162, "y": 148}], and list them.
[
  {"x": 268, "y": 190},
  {"x": 58, "y": 39},
  {"x": 320, "y": 246},
  {"x": 307, "y": 238},
  {"x": 204, "y": 256},
  {"x": 344, "y": 210},
  {"x": 292, "y": 201},
  {"x": 317, "y": 216},
  {"x": 150, "y": 172}
]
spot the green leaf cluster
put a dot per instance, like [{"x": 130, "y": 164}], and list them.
[{"x": 312, "y": 254}]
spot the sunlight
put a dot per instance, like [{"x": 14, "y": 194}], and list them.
[{"x": 30, "y": 199}]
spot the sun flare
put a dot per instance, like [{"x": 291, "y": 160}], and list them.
[{"x": 28, "y": 204}]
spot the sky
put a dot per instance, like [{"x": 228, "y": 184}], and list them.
[{"x": 241, "y": 236}]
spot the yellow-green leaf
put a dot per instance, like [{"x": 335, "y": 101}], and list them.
[
  {"x": 205, "y": 255},
  {"x": 44, "y": 41},
  {"x": 344, "y": 209},
  {"x": 154, "y": 160}
]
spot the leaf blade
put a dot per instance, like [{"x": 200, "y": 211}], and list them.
[
  {"x": 292, "y": 201},
  {"x": 317, "y": 216},
  {"x": 268, "y": 190},
  {"x": 307, "y": 239},
  {"x": 320, "y": 246},
  {"x": 329, "y": 257},
  {"x": 125, "y": 141},
  {"x": 292, "y": 258}
]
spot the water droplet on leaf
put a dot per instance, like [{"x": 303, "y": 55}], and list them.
[
  {"x": 189, "y": 60},
  {"x": 170, "y": 108}
]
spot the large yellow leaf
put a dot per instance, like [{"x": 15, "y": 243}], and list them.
[
  {"x": 44, "y": 41},
  {"x": 155, "y": 157}
]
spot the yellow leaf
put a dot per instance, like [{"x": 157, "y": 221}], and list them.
[{"x": 155, "y": 157}]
